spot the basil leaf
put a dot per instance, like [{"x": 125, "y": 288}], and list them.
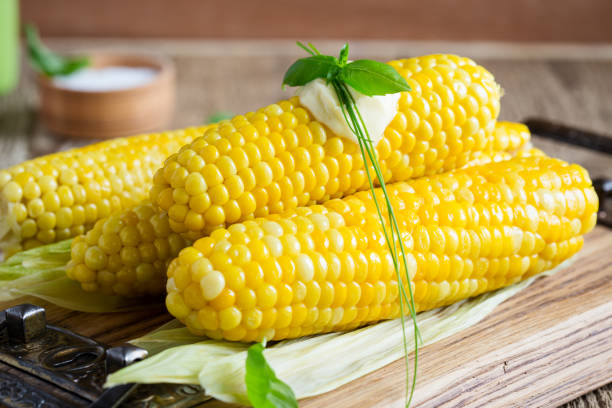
[
  {"x": 68, "y": 66},
  {"x": 344, "y": 54},
  {"x": 48, "y": 62},
  {"x": 217, "y": 117},
  {"x": 307, "y": 69},
  {"x": 264, "y": 389},
  {"x": 373, "y": 78}
]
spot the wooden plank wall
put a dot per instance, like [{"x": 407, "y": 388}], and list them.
[{"x": 492, "y": 20}]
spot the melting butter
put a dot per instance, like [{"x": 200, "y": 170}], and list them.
[{"x": 377, "y": 111}]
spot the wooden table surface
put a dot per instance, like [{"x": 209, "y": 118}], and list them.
[{"x": 571, "y": 84}]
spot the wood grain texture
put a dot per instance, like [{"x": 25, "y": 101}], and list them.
[
  {"x": 502, "y": 20},
  {"x": 564, "y": 310}
]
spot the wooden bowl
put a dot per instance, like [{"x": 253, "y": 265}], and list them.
[{"x": 108, "y": 114}]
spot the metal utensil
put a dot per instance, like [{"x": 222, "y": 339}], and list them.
[{"x": 46, "y": 365}]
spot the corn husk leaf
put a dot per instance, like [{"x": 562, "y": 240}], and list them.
[
  {"x": 27, "y": 269},
  {"x": 171, "y": 334},
  {"x": 311, "y": 365},
  {"x": 41, "y": 273}
]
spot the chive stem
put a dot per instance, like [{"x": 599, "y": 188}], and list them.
[{"x": 355, "y": 121}]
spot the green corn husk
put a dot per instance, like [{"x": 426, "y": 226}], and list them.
[
  {"x": 29, "y": 268},
  {"x": 41, "y": 273},
  {"x": 311, "y": 365}
]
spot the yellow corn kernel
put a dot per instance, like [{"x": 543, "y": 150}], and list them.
[
  {"x": 510, "y": 137},
  {"x": 464, "y": 234},
  {"x": 279, "y": 157},
  {"x": 94, "y": 180},
  {"x": 127, "y": 254}
]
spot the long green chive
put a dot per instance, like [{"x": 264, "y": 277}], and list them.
[
  {"x": 370, "y": 78},
  {"x": 357, "y": 125}
]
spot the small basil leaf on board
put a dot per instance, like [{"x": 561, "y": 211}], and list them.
[
  {"x": 264, "y": 389},
  {"x": 373, "y": 78},
  {"x": 307, "y": 69},
  {"x": 48, "y": 62},
  {"x": 217, "y": 117}
]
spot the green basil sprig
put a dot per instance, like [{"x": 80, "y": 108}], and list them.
[
  {"x": 370, "y": 78},
  {"x": 264, "y": 389},
  {"x": 366, "y": 76},
  {"x": 217, "y": 117},
  {"x": 48, "y": 62}
]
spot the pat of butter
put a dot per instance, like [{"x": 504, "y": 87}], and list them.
[{"x": 321, "y": 100}]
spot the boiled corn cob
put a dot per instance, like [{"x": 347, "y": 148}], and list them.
[
  {"x": 61, "y": 195},
  {"x": 510, "y": 137},
  {"x": 108, "y": 258},
  {"x": 327, "y": 267},
  {"x": 125, "y": 254},
  {"x": 279, "y": 157}
]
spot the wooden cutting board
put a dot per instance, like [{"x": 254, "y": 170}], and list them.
[{"x": 543, "y": 347}]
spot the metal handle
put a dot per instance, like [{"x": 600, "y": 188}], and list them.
[{"x": 570, "y": 135}]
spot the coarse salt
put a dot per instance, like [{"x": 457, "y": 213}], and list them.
[{"x": 111, "y": 78}]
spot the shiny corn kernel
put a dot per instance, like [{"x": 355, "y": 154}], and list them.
[
  {"x": 327, "y": 267},
  {"x": 281, "y": 158},
  {"x": 195, "y": 184},
  {"x": 126, "y": 261},
  {"x": 80, "y": 186},
  {"x": 212, "y": 285}
]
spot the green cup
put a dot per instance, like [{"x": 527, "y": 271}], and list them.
[{"x": 9, "y": 45}]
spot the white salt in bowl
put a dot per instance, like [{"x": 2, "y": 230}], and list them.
[{"x": 117, "y": 95}]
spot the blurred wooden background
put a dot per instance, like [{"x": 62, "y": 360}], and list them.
[{"x": 497, "y": 20}]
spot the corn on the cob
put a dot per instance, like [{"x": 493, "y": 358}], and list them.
[
  {"x": 279, "y": 157},
  {"x": 510, "y": 137},
  {"x": 327, "y": 267},
  {"x": 55, "y": 197},
  {"x": 121, "y": 241},
  {"x": 125, "y": 254}
]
